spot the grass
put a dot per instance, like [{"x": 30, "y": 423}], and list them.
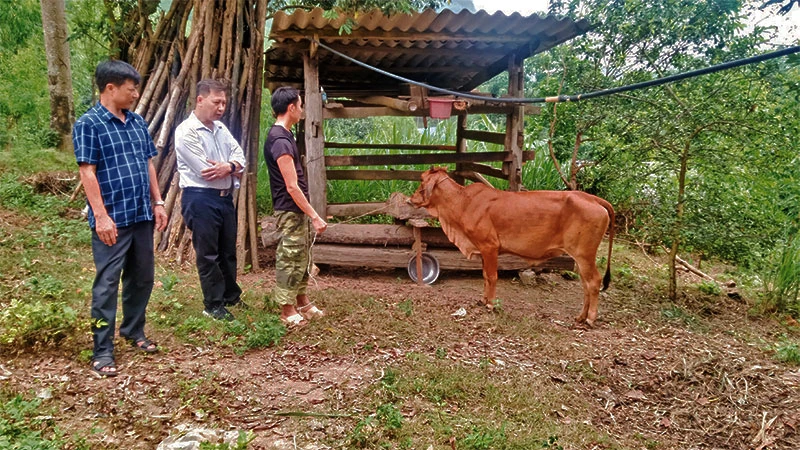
[{"x": 485, "y": 382}]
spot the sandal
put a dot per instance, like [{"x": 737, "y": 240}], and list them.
[
  {"x": 310, "y": 311},
  {"x": 143, "y": 344},
  {"x": 104, "y": 362},
  {"x": 293, "y": 321}
]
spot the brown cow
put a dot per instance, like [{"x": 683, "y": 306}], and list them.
[{"x": 536, "y": 226}]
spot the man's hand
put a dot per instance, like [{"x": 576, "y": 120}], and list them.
[
  {"x": 218, "y": 170},
  {"x": 106, "y": 229},
  {"x": 161, "y": 217},
  {"x": 319, "y": 225}
]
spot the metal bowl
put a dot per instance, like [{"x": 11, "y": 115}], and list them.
[{"x": 430, "y": 268}]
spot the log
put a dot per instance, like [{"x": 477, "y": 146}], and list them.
[
  {"x": 365, "y": 234},
  {"x": 396, "y": 257}
]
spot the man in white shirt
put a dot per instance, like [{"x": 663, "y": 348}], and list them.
[{"x": 210, "y": 164}]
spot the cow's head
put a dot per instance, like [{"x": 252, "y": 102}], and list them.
[{"x": 430, "y": 178}]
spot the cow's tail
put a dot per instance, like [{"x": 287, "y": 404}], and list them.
[{"x": 610, "y": 210}]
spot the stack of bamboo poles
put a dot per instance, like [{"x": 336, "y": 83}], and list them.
[{"x": 225, "y": 41}]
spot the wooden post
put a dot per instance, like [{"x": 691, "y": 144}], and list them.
[
  {"x": 314, "y": 139},
  {"x": 461, "y": 143},
  {"x": 515, "y": 126}
]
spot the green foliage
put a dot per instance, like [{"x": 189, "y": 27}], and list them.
[
  {"x": 782, "y": 279},
  {"x": 385, "y": 423},
  {"x": 28, "y": 322},
  {"x": 407, "y": 306},
  {"x": 788, "y": 352},
  {"x": 265, "y": 332},
  {"x": 23, "y": 427},
  {"x": 709, "y": 288},
  {"x": 484, "y": 438},
  {"x": 552, "y": 443}
]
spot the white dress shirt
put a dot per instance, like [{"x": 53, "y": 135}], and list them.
[{"x": 195, "y": 144}]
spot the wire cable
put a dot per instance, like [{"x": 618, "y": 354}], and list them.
[{"x": 578, "y": 97}]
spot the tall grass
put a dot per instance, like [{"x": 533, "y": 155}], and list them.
[{"x": 782, "y": 279}]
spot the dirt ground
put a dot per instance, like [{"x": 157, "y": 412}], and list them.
[{"x": 709, "y": 383}]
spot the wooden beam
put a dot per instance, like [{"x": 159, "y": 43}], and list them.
[
  {"x": 389, "y": 146},
  {"x": 361, "y": 174},
  {"x": 355, "y": 209},
  {"x": 360, "y": 113},
  {"x": 400, "y": 105},
  {"x": 485, "y": 136},
  {"x": 515, "y": 125},
  {"x": 424, "y": 159}
]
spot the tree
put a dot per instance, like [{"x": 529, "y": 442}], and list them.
[
  {"x": 59, "y": 73},
  {"x": 676, "y": 156}
]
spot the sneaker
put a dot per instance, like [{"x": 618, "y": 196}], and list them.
[
  {"x": 238, "y": 304},
  {"x": 220, "y": 313}
]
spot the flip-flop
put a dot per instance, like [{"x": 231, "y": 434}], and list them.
[
  {"x": 293, "y": 321},
  {"x": 310, "y": 311},
  {"x": 143, "y": 344},
  {"x": 101, "y": 362}
]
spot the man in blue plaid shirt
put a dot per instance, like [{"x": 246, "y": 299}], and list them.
[{"x": 114, "y": 151}]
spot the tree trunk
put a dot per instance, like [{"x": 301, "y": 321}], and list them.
[{"x": 59, "y": 73}]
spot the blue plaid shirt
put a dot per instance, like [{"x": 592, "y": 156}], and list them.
[{"x": 121, "y": 152}]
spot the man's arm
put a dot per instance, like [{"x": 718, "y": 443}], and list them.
[
  {"x": 286, "y": 165},
  {"x": 159, "y": 211},
  {"x": 105, "y": 227}
]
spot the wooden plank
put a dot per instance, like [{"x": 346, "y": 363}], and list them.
[
  {"x": 424, "y": 159},
  {"x": 484, "y": 169},
  {"x": 389, "y": 146},
  {"x": 396, "y": 257},
  {"x": 402, "y": 105},
  {"x": 363, "y": 112},
  {"x": 382, "y": 235},
  {"x": 361, "y": 174},
  {"x": 530, "y": 110},
  {"x": 485, "y": 136}
]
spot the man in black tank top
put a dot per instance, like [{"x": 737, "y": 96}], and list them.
[{"x": 295, "y": 215}]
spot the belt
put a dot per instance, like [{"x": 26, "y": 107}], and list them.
[{"x": 210, "y": 191}]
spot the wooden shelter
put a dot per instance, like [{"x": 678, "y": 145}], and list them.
[{"x": 454, "y": 51}]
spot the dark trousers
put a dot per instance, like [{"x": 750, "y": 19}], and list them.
[
  {"x": 131, "y": 258},
  {"x": 212, "y": 220}
]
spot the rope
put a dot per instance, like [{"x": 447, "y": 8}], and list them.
[{"x": 578, "y": 97}]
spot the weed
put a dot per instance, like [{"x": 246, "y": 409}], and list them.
[
  {"x": 23, "y": 427},
  {"x": 441, "y": 353},
  {"x": 168, "y": 282},
  {"x": 46, "y": 286},
  {"x": 675, "y": 312},
  {"x": 788, "y": 353},
  {"x": 552, "y": 443},
  {"x": 406, "y": 306},
  {"x": 484, "y": 438},
  {"x": 497, "y": 304},
  {"x": 37, "y": 322},
  {"x": 265, "y": 332},
  {"x": 245, "y": 437},
  {"x": 709, "y": 288}
]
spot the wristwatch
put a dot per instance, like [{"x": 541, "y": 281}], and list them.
[
  {"x": 233, "y": 167},
  {"x": 159, "y": 203}
]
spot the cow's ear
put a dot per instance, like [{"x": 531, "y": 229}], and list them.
[{"x": 429, "y": 190}]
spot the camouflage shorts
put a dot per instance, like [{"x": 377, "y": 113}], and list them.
[{"x": 293, "y": 256}]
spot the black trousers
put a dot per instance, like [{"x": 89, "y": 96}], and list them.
[
  {"x": 212, "y": 220},
  {"x": 131, "y": 258}
]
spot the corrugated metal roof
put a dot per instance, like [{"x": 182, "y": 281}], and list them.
[{"x": 457, "y": 51}]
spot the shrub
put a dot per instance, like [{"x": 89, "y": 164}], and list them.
[
  {"x": 21, "y": 424},
  {"x": 37, "y": 322}
]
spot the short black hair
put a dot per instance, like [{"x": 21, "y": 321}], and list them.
[
  {"x": 282, "y": 98},
  {"x": 204, "y": 87},
  {"x": 115, "y": 72}
]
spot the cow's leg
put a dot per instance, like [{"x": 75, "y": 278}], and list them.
[
  {"x": 590, "y": 280},
  {"x": 489, "y": 277}
]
